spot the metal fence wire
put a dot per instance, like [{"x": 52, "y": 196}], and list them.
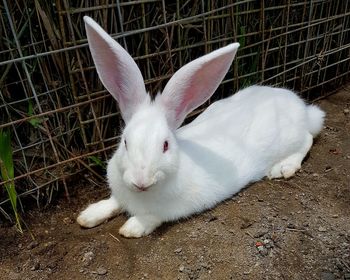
[{"x": 64, "y": 124}]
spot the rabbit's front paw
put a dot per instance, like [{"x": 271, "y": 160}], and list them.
[
  {"x": 139, "y": 226},
  {"x": 98, "y": 212}
]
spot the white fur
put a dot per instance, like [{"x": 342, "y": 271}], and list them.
[
  {"x": 260, "y": 131},
  {"x": 98, "y": 212},
  {"x": 314, "y": 115}
]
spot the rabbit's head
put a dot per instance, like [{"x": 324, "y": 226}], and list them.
[{"x": 148, "y": 151}]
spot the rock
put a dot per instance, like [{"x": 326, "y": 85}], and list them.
[
  {"x": 327, "y": 276},
  {"x": 262, "y": 250},
  {"x": 322, "y": 229},
  {"x": 87, "y": 258},
  {"x": 101, "y": 271},
  {"x": 36, "y": 266},
  {"x": 211, "y": 218},
  {"x": 260, "y": 232},
  {"x": 178, "y": 250},
  {"x": 268, "y": 243},
  {"x": 181, "y": 268},
  {"x": 68, "y": 220},
  {"x": 346, "y": 111}
]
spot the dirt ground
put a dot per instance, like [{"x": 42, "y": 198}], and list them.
[{"x": 279, "y": 229}]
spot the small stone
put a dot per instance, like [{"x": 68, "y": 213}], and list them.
[
  {"x": 68, "y": 220},
  {"x": 181, "y": 268},
  {"x": 346, "y": 111},
  {"x": 262, "y": 251},
  {"x": 178, "y": 250},
  {"x": 211, "y": 218},
  {"x": 87, "y": 258},
  {"x": 335, "y": 216},
  {"x": 101, "y": 271},
  {"x": 291, "y": 225},
  {"x": 327, "y": 276},
  {"x": 260, "y": 200},
  {"x": 32, "y": 245},
  {"x": 36, "y": 266},
  {"x": 328, "y": 168},
  {"x": 322, "y": 229}
]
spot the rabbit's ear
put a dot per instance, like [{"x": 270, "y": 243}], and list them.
[
  {"x": 117, "y": 70},
  {"x": 194, "y": 83}
]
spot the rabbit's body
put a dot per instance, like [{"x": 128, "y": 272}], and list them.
[
  {"x": 161, "y": 172},
  {"x": 250, "y": 132}
]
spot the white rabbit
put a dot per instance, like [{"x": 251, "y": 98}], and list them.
[{"x": 161, "y": 172}]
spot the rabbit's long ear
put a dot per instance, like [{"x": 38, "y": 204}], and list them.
[
  {"x": 117, "y": 70},
  {"x": 194, "y": 83}
]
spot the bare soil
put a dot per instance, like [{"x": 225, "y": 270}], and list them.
[{"x": 279, "y": 229}]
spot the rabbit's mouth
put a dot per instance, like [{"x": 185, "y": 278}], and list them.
[{"x": 141, "y": 187}]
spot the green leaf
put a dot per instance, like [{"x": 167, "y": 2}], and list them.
[
  {"x": 7, "y": 172},
  {"x": 35, "y": 122},
  {"x": 242, "y": 39},
  {"x": 97, "y": 161}
]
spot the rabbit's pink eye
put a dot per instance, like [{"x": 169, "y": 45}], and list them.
[
  {"x": 126, "y": 147},
  {"x": 165, "y": 146}
]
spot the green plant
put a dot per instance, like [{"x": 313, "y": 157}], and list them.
[
  {"x": 7, "y": 173},
  {"x": 35, "y": 122},
  {"x": 98, "y": 161}
]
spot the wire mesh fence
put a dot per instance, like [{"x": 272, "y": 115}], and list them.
[{"x": 62, "y": 121}]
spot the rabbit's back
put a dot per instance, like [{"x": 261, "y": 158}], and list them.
[{"x": 253, "y": 129}]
